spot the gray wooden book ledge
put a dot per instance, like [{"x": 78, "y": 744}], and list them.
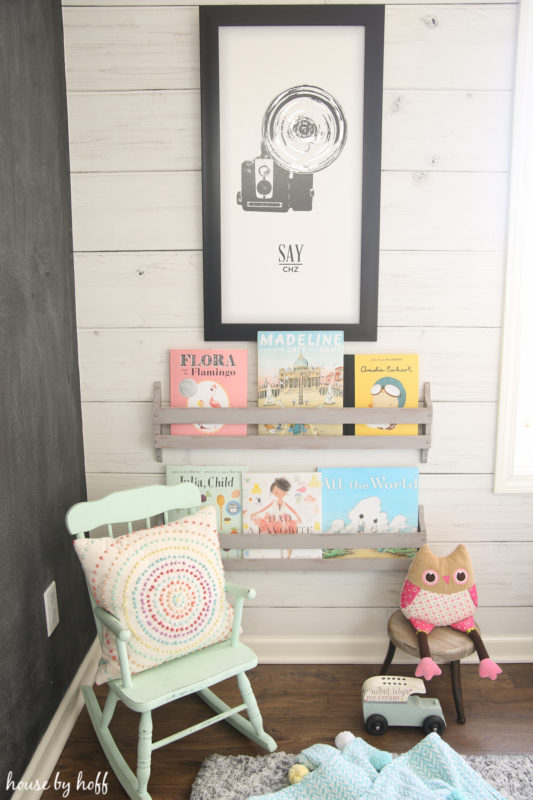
[
  {"x": 325, "y": 541},
  {"x": 165, "y": 415}
]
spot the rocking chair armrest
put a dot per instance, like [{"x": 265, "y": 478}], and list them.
[
  {"x": 112, "y": 623},
  {"x": 239, "y": 591},
  {"x": 122, "y": 635}
]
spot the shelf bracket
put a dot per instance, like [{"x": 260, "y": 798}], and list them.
[
  {"x": 156, "y": 405},
  {"x": 428, "y": 403}
]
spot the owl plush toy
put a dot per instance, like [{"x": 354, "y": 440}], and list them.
[{"x": 439, "y": 592}]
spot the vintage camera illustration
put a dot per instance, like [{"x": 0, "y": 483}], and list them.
[{"x": 303, "y": 131}]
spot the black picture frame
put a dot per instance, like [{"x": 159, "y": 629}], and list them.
[{"x": 212, "y": 20}]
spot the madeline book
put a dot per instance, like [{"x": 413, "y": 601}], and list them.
[
  {"x": 386, "y": 381},
  {"x": 282, "y": 503},
  {"x": 363, "y": 500},
  {"x": 213, "y": 378},
  {"x": 300, "y": 369},
  {"x": 221, "y": 487}
]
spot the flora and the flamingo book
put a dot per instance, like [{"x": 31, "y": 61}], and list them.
[{"x": 208, "y": 379}]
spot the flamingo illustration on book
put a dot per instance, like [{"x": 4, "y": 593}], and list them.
[
  {"x": 210, "y": 394},
  {"x": 214, "y": 404},
  {"x": 212, "y": 400},
  {"x": 205, "y": 426}
]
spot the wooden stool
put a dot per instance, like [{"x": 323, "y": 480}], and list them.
[{"x": 446, "y": 644}]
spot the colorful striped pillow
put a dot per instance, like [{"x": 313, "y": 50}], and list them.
[{"x": 166, "y": 584}]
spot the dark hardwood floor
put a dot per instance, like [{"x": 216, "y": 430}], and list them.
[{"x": 301, "y": 705}]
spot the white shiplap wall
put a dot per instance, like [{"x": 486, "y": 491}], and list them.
[{"x": 134, "y": 117}]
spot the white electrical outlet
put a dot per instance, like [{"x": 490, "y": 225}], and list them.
[{"x": 51, "y": 609}]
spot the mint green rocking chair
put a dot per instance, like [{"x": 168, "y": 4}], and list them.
[{"x": 193, "y": 673}]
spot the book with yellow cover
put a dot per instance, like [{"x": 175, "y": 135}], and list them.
[{"x": 386, "y": 381}]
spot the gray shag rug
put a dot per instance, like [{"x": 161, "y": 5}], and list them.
[{"x": 238, "y": 777}]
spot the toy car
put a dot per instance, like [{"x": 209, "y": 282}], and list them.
[{"x": 391, "y": 700}]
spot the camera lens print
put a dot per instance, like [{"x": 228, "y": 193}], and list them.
[{"x": 304, "y": 131}]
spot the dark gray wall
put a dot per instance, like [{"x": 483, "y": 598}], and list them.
[{"x": 41, "y": 449}]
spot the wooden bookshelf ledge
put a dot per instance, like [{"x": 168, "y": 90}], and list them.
[
  {"x": 323, "y": 541},
  {"x": 422, "y": 416}
]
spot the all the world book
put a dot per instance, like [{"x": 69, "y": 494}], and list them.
[
  {"x": 370, "y": 500},
  {"x": 210, "y": 378},
  {"x": 300, "y": 369}
]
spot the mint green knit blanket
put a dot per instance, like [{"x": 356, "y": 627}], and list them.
[{"x": 431, "y": 770}]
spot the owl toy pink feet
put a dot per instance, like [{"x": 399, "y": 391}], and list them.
[
  {"x": 489, "y": 669},
  {"x": 427, "y": 669}
]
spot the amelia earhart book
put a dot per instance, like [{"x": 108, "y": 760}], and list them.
[
  {"x": 386, "y": 381},
  {"x": 300, "y": 369},
  {"x": 213, "y": 378}
]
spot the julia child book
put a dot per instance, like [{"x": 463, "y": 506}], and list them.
[
  {"x": 300, "y": 369},
  {"x": 370, "y": 500},
  {"x": 221, "y": 487},
  {"x": 386, "y": 381},
  {"x": 213, "y": 378}
]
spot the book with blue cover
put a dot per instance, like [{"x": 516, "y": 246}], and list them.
[{"x": 362, "y": 500}]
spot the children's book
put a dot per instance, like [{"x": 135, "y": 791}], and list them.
[
  {"x": 285, "y": 503},
  {"x": 300, "y": 369},
  {"x": 348, "y": 429},
  {"x": 363, "y": 500},
  {"x": 214, "y": 378},
  {"x": 221, "y": 487},
  {"x": 386, "y": 381}
]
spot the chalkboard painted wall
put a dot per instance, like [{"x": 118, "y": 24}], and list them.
[{"x": 41, "y": 464}]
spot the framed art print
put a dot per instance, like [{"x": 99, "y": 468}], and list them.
[{"x": 291, "y": 163}]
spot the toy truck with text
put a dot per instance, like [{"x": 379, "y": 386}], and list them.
[{"x": 394, "y": 700}]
